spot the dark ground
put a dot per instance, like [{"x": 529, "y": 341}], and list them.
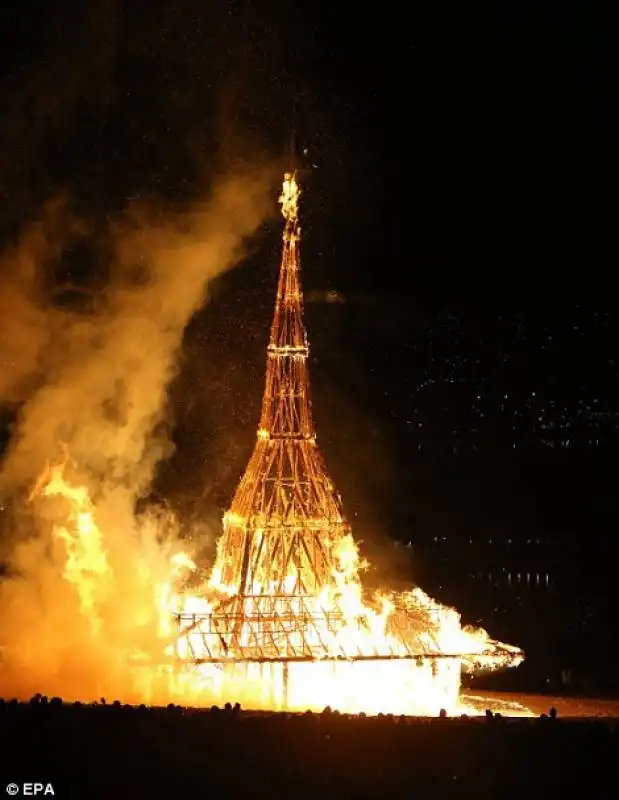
[{"x": 116, "y": 752}]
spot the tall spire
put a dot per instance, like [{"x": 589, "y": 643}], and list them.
[
  {"x": 286, "y": 410},
  {"x": 286, "y": 515}
]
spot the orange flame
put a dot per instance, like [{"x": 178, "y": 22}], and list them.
[
  {"x": 283, "y": 620},
  {"x": 367, "y": 626}
]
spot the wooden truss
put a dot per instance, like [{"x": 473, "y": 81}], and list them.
[
  {"x": 289, "y": 628},
  {"x": 277, "y": 552},
  {"x": 286, "y": 515},
  {"x": 279, "y": 628}
]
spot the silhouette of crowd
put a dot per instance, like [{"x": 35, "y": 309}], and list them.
[{"x": 113, "y": 750}]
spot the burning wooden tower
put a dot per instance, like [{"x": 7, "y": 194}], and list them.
[
  {"x": 285, "y": 517},
  {"x": 288, "y": 624}
]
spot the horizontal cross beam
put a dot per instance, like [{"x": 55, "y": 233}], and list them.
[{"x": 312, "y": 660}]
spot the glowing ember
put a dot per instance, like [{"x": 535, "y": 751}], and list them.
[{"x": 283, "y": 621}]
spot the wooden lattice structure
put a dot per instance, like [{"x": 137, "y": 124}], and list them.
[
  {"x": 263, "y": 628},
  {"x": 286, "y": 515},
  {"x": 281, "y": 533}
]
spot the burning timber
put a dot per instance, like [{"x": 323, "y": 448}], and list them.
[{"x": 287, "y": 618}]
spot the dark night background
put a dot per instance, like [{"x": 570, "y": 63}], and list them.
[{"x": 460, "y": 186}]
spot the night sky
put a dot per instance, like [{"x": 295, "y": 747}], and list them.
[
  {"x": 454, "y": 145},
  {"x": 461, "y": 165}
]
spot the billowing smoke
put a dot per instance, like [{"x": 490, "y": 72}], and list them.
[
  {"x": 102, "y": 376},
  {"x": 89, "y": 380}
]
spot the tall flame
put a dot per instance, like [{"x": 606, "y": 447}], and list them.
[
  {"x": 87, "y": 567},
  {"x": 350, "y": 684}
]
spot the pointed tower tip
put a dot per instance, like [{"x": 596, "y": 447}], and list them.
[{"x": 289, "y": 197}]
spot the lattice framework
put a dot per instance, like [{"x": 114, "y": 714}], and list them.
[
  {"x": 281, "y": 533},
  {"x": 286, "y": 515}
]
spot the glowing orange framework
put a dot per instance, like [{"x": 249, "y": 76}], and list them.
[{"x": 281, "y": 534}]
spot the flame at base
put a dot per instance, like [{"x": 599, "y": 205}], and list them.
[
  {"x": 352, "y": 687},
  {"x": 104, "y": 626}
]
